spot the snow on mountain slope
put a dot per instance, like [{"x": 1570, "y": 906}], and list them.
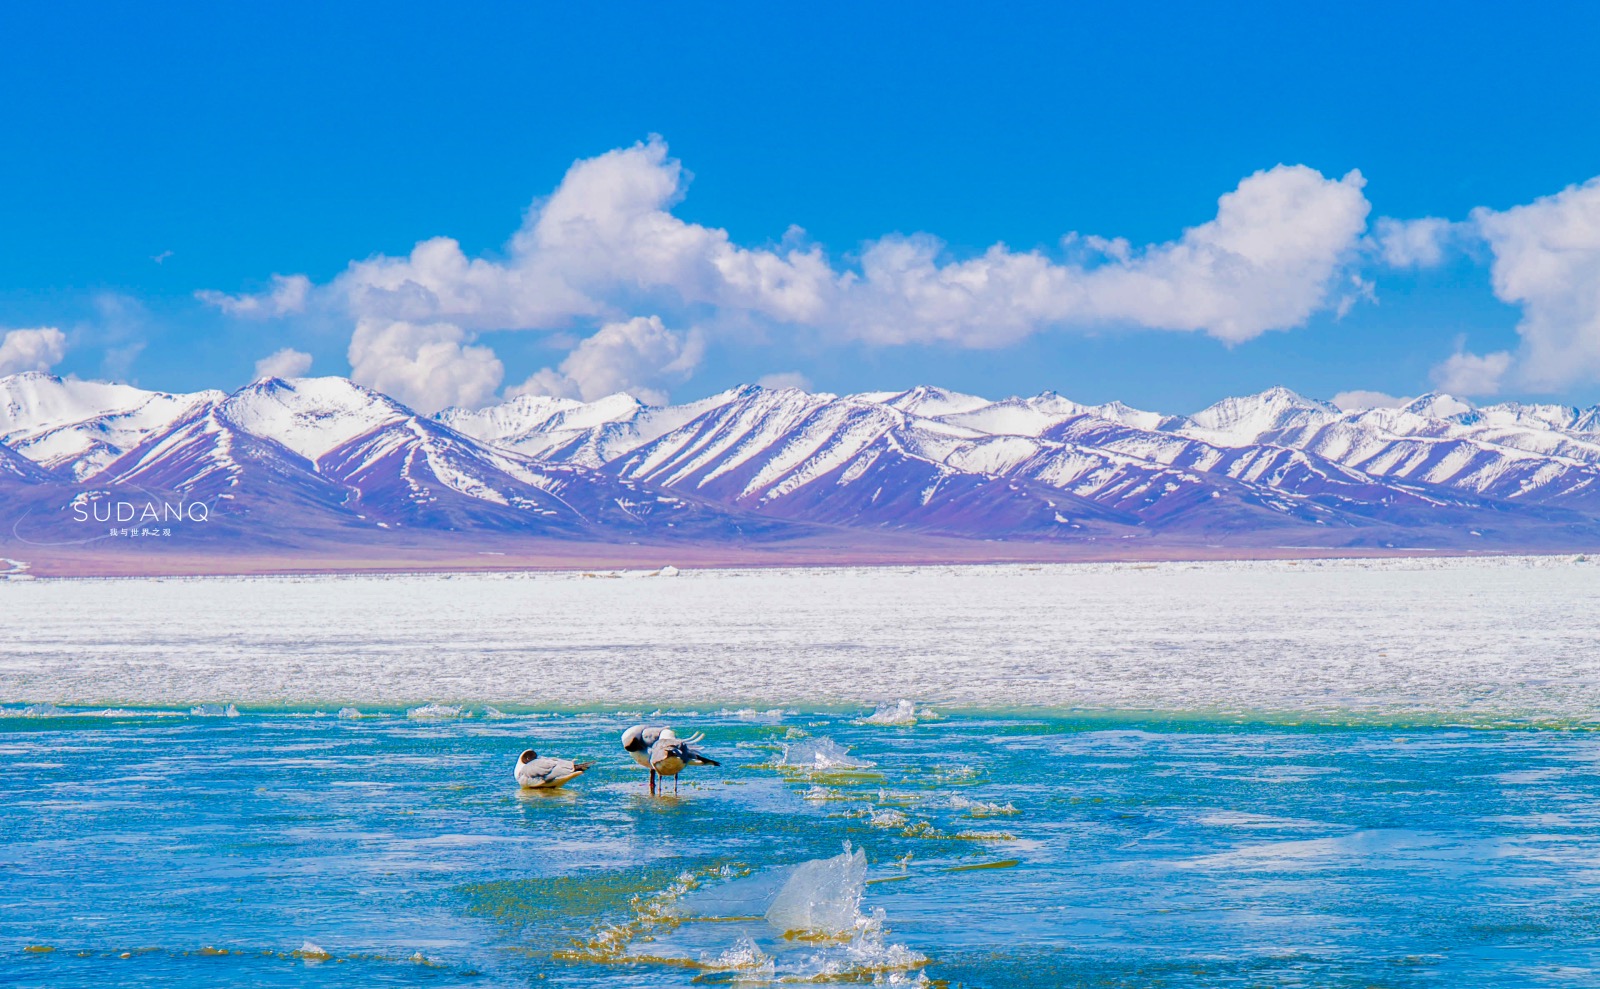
[
  {"x": 848, "y": 461},
  {"x": 562, "y": 430},
  {"x": 17, "y": 468},
  {"x": 1242, "y": 421},
  {"x": 1437, "y": 405},
  {"x": 77, "y": 428},
  {"x": 928, "y": 402},
  {"x": 1495, "y": 457},
  {"x": 1016, "y": 416},
  {"x": 310, "y": 416},
  {"x": 418, "y": 472},
  {"x": 753, "y": 460}
]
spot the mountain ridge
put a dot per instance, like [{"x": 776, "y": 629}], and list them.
[{"x": 327, "y": 465}]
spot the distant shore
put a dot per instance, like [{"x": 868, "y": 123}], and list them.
[{"x": 124, "y": 559}]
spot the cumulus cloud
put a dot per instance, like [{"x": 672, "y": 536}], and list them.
[
  {"x": 1546, "y": 258},
  {"x": 1412, "y": 243},
  {"x": 639, "y": 356},
  {"x": 428, "y": 366},
  {"x": 37, "y": 349},
  {"x": 1357, "y": 400},
  {"x": 785, "y": 379},
  {"x": 607, "y": 237},
  {"x": 1267, "y": 261},
  {"x": 606, "y": 245},
  {"x": 288, "y": 295},
  {"x": 1473, "y": 374},
  {"x": 285, "y": 363}
]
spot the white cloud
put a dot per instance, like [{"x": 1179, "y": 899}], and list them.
[
  {"x": 606, "y": 242},
  {"x": 428, "y": 366},
  {"x": 785, "y": 379},
  {"x": 288, "y": 295},
  {"x": 1412, "y": 243},
  {"x": 1547, "y": 259},
  {"x": 1352, "y": 401},
  {"x": 1267, "y": 261},
  {"x": 1473, "y": 374},
  {"x": 606, "y": 245},
  {"x": 37, "y": 349},
  {"x": 639, "y": 356},
  {"x": 285, "y": 363}
]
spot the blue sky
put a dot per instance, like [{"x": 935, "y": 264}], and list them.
[{"x": 235, "y": 142}]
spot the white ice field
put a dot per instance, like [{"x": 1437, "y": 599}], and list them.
[{"x": 1479, "y": 640}]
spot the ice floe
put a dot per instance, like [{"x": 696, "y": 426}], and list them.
[{"x": 820, "y": 754}]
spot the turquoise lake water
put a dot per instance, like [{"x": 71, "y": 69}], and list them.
[{"x": 287, "y": 848}]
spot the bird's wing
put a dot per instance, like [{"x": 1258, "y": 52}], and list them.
[
  {"x": 543, "y": 769},
  {"x": 698, "y": 757}
]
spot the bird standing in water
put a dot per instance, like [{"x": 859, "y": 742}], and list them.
[
  {"x": 534, "y": 773},
  {"x": 636, "y": 741},
  {"x": 670, "y": 754}
]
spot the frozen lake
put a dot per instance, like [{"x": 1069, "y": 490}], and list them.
[
  {"x": 1475, "y": 640},
  {"x": 1033, "y": 828}
]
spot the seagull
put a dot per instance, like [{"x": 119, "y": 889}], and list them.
[
  {"x": 535, "y": 773},
  {"x": 670, "y": 754},
  {"x": 636, "y": 741}
]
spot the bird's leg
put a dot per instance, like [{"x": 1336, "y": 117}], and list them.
[{"x": 652, "y": 781}]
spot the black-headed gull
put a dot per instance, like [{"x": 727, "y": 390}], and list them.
[
  {"x": 534, "y": 773},
  {"x": 670, "y": 754},
  {"x": 636, "y": 741}
]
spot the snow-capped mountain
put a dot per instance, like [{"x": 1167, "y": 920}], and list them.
[
  {"x": 281, "y": 458},
  {"x": 79, "y": 427}
]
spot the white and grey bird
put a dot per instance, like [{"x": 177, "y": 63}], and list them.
[
  {"x": 534, "y": 773},
  {"x": 670, "y": 754},
  {"x": 637, "y": 741}
]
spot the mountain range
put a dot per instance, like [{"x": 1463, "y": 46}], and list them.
[{"x": 326, "y": 473}]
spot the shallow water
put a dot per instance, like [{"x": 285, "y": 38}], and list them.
[{"x": 283, "y": 848}]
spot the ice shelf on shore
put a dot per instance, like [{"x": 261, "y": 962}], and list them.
[{"x": 1470, "y": 639}]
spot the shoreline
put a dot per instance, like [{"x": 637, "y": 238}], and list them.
[
  {"x": 203, "y": 568},
  {"x": 477, "y": 713}
]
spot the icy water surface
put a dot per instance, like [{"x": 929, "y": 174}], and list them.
[
  {"x": 285, "y": 848},
  {"x": 1491, "y": 640}
]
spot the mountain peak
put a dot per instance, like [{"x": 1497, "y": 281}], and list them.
[
  {"x": 310, "y": 415},
  {"x": 1243, "y": 420},
  {"x": 1436, "y": 405},
  {"x": 930, "y": 401}
]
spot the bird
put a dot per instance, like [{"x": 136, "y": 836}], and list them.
[
  {"x": 670, "y": 754},
  {"x": 534, "y": 773},
  {"x": 636, "y": 741}
]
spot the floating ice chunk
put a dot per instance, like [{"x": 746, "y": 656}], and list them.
[
  {"x": 494, "y": 713},
  {"x": 902, "y": 712},
  {"x": 667, "y": 571},
  {"x": 745, "y": 958},
  {"x": 311, "y": 952},
  {"x": 46, "y": 710},
  {"x": 214, "y": 711},
  {"x": 821, "y": 753},
  {"x": 349, "y": 712},
  {"x": 822, "y": 896},
  {"x": 981, "y": 808},
  {"x": 871, "y": 951},
  {"x": 437, "y": 711},
  {"x": 889, "y": 818},
  {"x": 751, "y": 714}
]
